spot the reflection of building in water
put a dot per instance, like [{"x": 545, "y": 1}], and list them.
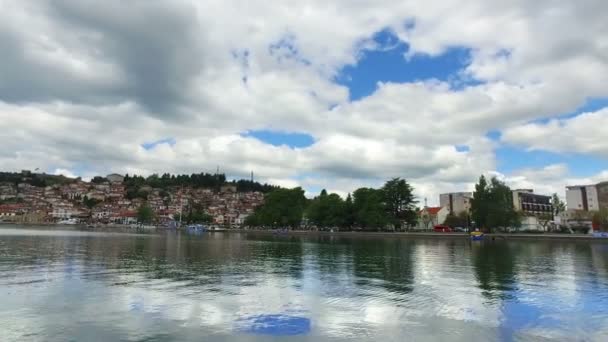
[{"x": 599, "y": 262}]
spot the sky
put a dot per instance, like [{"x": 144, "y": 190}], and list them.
[{"x": 335, "y": 95}]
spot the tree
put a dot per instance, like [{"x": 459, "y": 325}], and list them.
[
  {"x": 492, "y": 205},
  {"x": 600, "y": 220},
  {"x": 544, "y": 220},
  {"x": 145, "y": 214},
  {"x": 479, "y": 202},
  {"x": 370, "y": 210},
  {"x": 349, "y": 212},
  {"x": 281, "y": 208},
  {"x": 90, "y": 202},
  {"x": 558, "y": 205},
  {"x": 327, "y": 210},
  {"x": 400, "y": 202},
  {"x": 98, "y": 180},
  {"x": 460, "y": 220}
]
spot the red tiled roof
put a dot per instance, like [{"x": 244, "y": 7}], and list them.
[{"x": 431, "y": 210}]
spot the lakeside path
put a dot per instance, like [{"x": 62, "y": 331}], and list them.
[{"x": 404, "y": 235}]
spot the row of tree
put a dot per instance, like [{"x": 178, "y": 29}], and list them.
[
  {"x": 135, "y": 183},
  {"x": 34, "y": 179},
  {"x": 393, "y": 205}
]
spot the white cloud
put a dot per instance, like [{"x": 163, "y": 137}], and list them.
[{"x": 584, "y": 133}]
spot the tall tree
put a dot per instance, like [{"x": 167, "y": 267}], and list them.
[
  {"x": 400, "y": 202},
  {"x": 479, "y": 203},
  {"x": 349, "y": 212},
  {"x": 558, "y": 205},
  {"x": 145, "y": 214},
  {"x": 370, "y": 210},
  {"x": 492, "y": 205},
  {"x": 282, "y": 208},
  {"x": 326, "y": 210}
]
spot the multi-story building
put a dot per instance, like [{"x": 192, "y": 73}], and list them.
[
  {"x": 526, "y": 201},
  {"x": 456, "y": 202},
  {"x": 583, "y": 197},
  {"x": 602, "y": 194},
  {"x": 587, "y": 197}
]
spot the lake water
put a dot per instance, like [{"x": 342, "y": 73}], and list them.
[{"x": 69, "y": 285}]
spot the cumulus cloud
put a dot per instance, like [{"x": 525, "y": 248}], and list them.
[
  {"x": 84, "y": 84},
  {"x": 583, "y": 133}
]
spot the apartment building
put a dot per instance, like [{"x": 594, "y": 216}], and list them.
[{"x": 456, "y": 202}]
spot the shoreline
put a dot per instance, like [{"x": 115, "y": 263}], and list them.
[
  {"x": 354, "y": 234},
  {"x": 431, "y": 235}
]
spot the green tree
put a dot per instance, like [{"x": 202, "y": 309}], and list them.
[
  {"x": 480, "y": 203},
  {"x": 98, "y": 180},
  {"x": 90, "y": 202},
  {"x": 492, "y": 205},
  {"x": 281, "y": 208},
  {"x": 145, "y": 214},
  {"x": 327, "y": 210},
  {"x": 369, "y": 208},
  {"x": 600, "y": 220},
  {"x": 457, "y": 220},
  {"x": 558, "y": 205},
  {"x": 400, "y": 202},
  {"x": 349, "y": 212}
]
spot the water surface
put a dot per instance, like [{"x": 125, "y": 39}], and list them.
[{"x": 62, "y": 285}]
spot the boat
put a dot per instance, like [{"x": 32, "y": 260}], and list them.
[
  {"x": 196, "y": 228},
  {"x": 600, "y": 235},
  {"x": 280, "y": 231},
  {"x": 216, "y": 229},
  {"x": 70, "y": 221},
  {"x": 476, "y": 235}
]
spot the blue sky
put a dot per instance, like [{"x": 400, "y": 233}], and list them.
[{"x": 388, "y": 63}]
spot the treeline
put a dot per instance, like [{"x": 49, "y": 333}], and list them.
[
  {"x": 393, "y": 205},
  {"x": 134, "y": 183},
  {"x": 34, "y": 179}
]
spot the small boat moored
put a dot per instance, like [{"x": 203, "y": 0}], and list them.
[
  {"x": 476, "y": 235},
  {"x": 601, "y": 235}
]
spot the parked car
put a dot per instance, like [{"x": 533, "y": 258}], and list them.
[{"x": 442, "y": 229}]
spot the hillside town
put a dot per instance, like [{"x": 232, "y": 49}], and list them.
[
  {"x": 116, "y": 200},
  {"x": 107, "y": 202}
]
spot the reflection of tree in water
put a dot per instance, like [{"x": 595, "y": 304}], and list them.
[
  {"x": 494, "y": 269},
  {"x": 389, "y": 260},
  {"x": 208, "y": 260}
]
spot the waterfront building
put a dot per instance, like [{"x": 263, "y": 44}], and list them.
[
  {"x": 456, "y": 202},
  {"x": 526, "y": 201},
  {"x": 582, "y": 197},
  {"x": 431, "y": 216}
]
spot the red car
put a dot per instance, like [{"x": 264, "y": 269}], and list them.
[{"x": 442, "y": 229}]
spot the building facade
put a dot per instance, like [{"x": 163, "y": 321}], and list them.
[
  {"x": 583, "y": 197},
  {"x": 456, "y": 202},
  {"x": 429, "y": 217},
  {"x": 526, "y": 201},
  {"x": 602, "y": 195}
]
